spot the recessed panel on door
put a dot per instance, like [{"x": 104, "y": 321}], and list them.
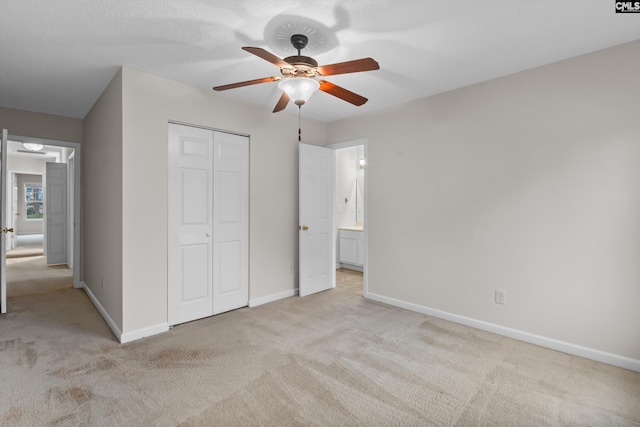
[
  {"x": 230, "y": 197},
  {"x": 230, "y": 279},
  {"x": 195, "y": 196}
]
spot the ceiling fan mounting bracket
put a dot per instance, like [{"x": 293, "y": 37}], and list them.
[{"x": 299, "y": 41}]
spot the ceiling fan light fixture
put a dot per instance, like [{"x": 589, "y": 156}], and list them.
[
  {"x": 299, "y": 89},
  {"x": 31, "y": 146}
]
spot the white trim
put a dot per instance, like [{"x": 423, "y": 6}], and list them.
[
  {"x": 348, "y": 266},
  {"x": 347, "y": 144},
  {"x": 274, "y": 297},
  {"x": 114, "y": 327},
  {"x": 144, "y": 332},
  {"x": 129, "y": 336},
  {"x": 576, "y": 350}
]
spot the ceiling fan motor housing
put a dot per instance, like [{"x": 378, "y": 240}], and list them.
[{"x": 303, "y": 66}]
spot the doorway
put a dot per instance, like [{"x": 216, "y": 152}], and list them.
[
  {"x": 28, "y": 269},
  {"x": 350, "y": 212}
]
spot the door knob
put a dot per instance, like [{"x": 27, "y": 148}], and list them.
[
  {"x": 304, "y": 227},
  {"x": 7, "y": 230}
]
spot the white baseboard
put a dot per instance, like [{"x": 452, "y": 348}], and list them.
[
  {"x": 274, "y": 297},
  {"x": 577, "y": 350},
  {"x": 350, "y": 267},
  {"x": 144, "y": 332},
  {"x": 129, "y": 336},
  {"x": 114, "y": 328}
]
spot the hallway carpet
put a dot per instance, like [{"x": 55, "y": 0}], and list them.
[
  {"x": 329, "y": 359},
  {"x": 26, "y": 275}
]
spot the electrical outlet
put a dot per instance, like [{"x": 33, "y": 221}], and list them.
[
  {"x": 501, "y": 296},
  {"x": 102, "y": 283}
]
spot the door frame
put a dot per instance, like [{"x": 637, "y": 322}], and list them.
[
  {"x": 77, "y": 196},
  {"x": 347, "y": 144}
]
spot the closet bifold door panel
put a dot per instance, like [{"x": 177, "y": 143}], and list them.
[
  {"x": 230, "y": 222},
  {"x": 208, "y": 223}
]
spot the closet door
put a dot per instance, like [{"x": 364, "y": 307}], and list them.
[
  {"x": 190, "y": 230},
  {"x": 230, "y": 222},
  {"x": 208, "y": 234}
]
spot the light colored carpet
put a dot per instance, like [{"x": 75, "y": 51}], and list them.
[
  {"x": 330, "y": 359},
  {"x": 27, "y": 275},
  {"x": 27, "y": 246}
]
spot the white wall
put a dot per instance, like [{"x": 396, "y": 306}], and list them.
[
  {"x": 360, "y": 201},
  {"x": 149, "y": 103},
  {"x": 346, "y": 176},
  {"x": 102, "y": 184},
  {"x": 527, "y": 183},
  {"x": 40, "y": 125}
]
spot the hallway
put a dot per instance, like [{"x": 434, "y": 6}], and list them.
[{"x": 27, "y": 271}]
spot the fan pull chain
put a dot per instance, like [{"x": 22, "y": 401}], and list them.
[{"x": 299, "y": 128}]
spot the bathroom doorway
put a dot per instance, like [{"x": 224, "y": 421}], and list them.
[{"x": 350, "y": 215}]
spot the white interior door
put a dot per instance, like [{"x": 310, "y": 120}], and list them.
[
  {"x": 208, "y": 223},
  {"x": 3, "y": 211},
  {"x": 316, "y": 219},
  {"x": 230, "y": 222},
  {"x": 190, "y": 223},
  {"x": 55, "y": 203}
]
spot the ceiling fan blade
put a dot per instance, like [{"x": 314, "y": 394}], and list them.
[
  {"x": 247, "y": 83},
  {"x": 282, "y": 102},
  {"x": 355, "y": 66},
  {"x": 342, "y": 93},
  {"x": 268, "y": 56}
]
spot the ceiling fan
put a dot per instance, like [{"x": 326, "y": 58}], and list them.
[{"x": 299, "y": 73}]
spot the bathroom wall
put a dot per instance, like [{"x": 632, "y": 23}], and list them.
[{"x": 349, "y": 189}]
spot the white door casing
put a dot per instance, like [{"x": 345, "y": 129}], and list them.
[
  {"x": 230, "y": 222},
  {"x": 316, "y": 261},
  {"x": 3, "y": 211},
  {"x": 71, "y": 223},
  {"x": 190, "y": 228},
  {"x": 55, "y": 203},
  {"x": 208, "y": 219},
  {"x": 13, "y": 212}
]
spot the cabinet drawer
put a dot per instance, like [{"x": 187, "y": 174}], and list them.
[{"x": 349, "y": 234}]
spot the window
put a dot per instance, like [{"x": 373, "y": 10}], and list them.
[{"x": 33, "y": 197}]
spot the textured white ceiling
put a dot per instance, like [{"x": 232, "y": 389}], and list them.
[{"x": 57, "y": 56}]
